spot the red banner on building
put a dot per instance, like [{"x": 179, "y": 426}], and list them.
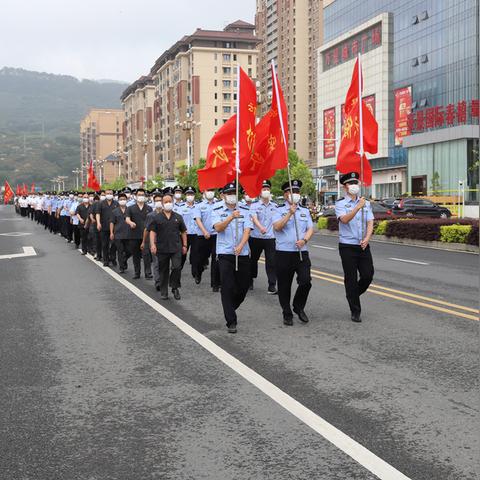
[
  {"x": 329, "y": 132},
  {"x": 403, "y": 107}
]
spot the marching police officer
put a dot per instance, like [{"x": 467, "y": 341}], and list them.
[
  {"x": 103, "y": 217},
  {"x": 157, "y": 196},
  {"x": 262, "y": 238},
  {"x": 355, "y": 230},
  {"x": 233, "y": 227},
  {"x": 177, "y": 196},
  {"x": 187, "y": 211},
  {"x": 293, "y": 228},
  {"x": 120, "y": 231}
]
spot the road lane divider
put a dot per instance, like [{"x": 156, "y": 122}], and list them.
[{"x": 416, "y": 262}]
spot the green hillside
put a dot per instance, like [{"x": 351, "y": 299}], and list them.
[{"x": 40, "y": 117}]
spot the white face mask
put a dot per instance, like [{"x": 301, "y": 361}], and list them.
[
  {"x": 102, "y": 197},
  {"x": 209, "y": 195},
  {"x": 294, "y": 198},
  {"x": 128, "y": 195},
  {"x": 354, "y": 189},
  {"x": 231, "y": 199},
  {"x": 177, "y": 196},
  {"x": 141, "y": 199},
  {"x": 158, "y": 205},
  {"x": 247, "y": 198},
  {"x": 265, "y": 194},
  {"x": 122, "y": 203},
  {"x": 109, "y": 196},
  {"x": 190, "y": 198},
  {"x": 70, "y": 197},
  {"x": 168, "y": 206},
  {"x": 85, "y": 200}
]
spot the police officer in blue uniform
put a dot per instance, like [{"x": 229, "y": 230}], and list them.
[
  {"x": 177, "y": 198},
  {"x": 187, "y": 211},
  {"x": 354, "y": 240},
  {"x": 233, "y": 225},
  {"x": 293, "y": 229},
  {"x": 262, "y": 238}
]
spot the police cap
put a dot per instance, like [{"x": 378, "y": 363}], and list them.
[
  {"x": 190, "y": 189},
  {"x": 348, "y": 177},
  {"x": 296, "y": 185}
]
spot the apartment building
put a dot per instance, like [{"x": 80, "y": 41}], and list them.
[
  {"x": 195, "y": 85},
  {"x": 138, "y": 132},
  {"x": 101, "y": 142}
]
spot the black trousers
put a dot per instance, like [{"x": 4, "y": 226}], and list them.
[
  {"x": 192, "y": 247},
  {"x": 257, "y": 246},
  {"x": 23, "y": 211},
  {"x": 123, "y": 252},
  {"x": 287, "y": 264},
  {"x": 235, "y": 284},
  {"x": 84, "y": 238},
  {"x": 169, "y": 270},
  {"x": 109, "y": 249},
  {"x": 137, "y": 255},
  {"x": 356, "y": 263},
  {"x": 76, "y": 234},
  {"x": 98, "y": 244},
  {"x": 208, "y": 248}
]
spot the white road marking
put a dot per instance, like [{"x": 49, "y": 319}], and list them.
[
  {"x": 408, "y": 261},
  {"x": 27, "y": 252},
  {"x": 323, "y": 246},
  {"x": 15, "y": 234},
  {"x": 353, "y": 449}
]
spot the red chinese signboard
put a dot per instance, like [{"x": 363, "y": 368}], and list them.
[
  {"x": 362, "y": 42},
  {"x": 329, "y": 132},
  {"x": 441, "y": 116},
  {"x": 402, "y": 109}
]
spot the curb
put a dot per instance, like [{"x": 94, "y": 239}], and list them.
[{"x": 451, "y": 247}]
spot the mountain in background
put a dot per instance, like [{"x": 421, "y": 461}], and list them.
[{"x": 40, "y": 117}]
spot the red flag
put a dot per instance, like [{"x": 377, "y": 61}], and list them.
[
  {"x": 25, "y": 189},
  {"x": 32, "y": 189},
  {"x": 222, "y": 153},
  {"x": 18, "y": 190},
  {"x": 8, "y": 193},
  {"x": 349, "y": 152},
  {"x": 271, "y": 151},
  {"x": 92, "y": 181}
]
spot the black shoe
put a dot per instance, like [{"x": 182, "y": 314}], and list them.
[
  {"x": 232, "y": 329},
  {"x": 288, "y": 320},
  {"x": 148, "y": 275},
  {"x": 251, "y": 285},
  {"x": 121, "y": 270},
  {"x": 106, "y": 264},
  {"x": 176, "y": 293},
  {"x": 198, "y": 279},
  {"x": 301, "y": 315},
  {"x": 272, "y": 291},
  {"x": 84, "y": 253},
  {"x": 114, "y": 263},
  {"x": 97, "y": 258},
  {"x": 356, "y": 318},
  {"x": 215, "y": 289},
  {"x": 157, "y": 287},
  {"x": 136, "y": 276},
  {"x": 164, "y": 296}
]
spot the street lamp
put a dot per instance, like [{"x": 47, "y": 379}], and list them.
[
  {"x": 145, "y": 155},
  {"x": 187, "y": 126},
  {"x": 77, "y": 172}
]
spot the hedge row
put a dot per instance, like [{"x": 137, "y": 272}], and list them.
[{"x": 428, "y": 229}]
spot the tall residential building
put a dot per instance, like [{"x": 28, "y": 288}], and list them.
[
  {"x": 101, "y": 142},
  {"x": 195, "y": 84},
  {"x": 292, "y": 31},
  {"x": 138, "y": 133},
  {"x": 421, "y": 80}
]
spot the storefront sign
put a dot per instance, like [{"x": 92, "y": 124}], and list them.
[
  {"x": 329, "y": 132},
  {"x": 362, "y": 42},
  {"x": 403, "y": 108},
  {"x": 443, "y": 116}
]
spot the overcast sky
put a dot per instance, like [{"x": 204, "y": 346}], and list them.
[{"x": 105, "y": 39}]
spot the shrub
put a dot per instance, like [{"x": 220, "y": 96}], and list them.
[
  {"x": 381, "y": 227},
  {"x": 332, "y": 224},
  {"x": 454, "y": 233},
  {"x": 322, "y": 223},
  {"x": 472, "y": 238}
]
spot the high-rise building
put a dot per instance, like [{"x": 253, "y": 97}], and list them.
[
  {"x": 139, "y": 154},
  {"x": 292, "y": 31},
  {"x": 101, "y": 142},
  {"x": 421, "y": 79},
  {"x": 195, "y": 84}
]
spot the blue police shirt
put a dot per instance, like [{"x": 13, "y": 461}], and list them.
[
  {"x": 286, "y": 238},
  {"x": 73, "y": 208},
  {"x": 177, "y": 206},
  {"x": 228, "y": 239},
  {"x": 264, "y": 213},
  {"x": 130, "y": 202},
  {"x": 203, "y": 211},
  {"x": 66, "y": 208},
  {"x": 351, "y": 232},
  {"x": 188, "y": 212}
]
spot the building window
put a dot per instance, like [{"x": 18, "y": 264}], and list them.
[
  {"x": 227, "y": 96},
  {"x": 226, "y": 70},
  {"x": 226, "y": 57},
  {"x": 249, "y": 72},
  {"x": 227, "y": 83},
  {"x": 215, "y": 109},
  {"x": 216, "y": 121},
  {"x": 249, "y": 59},
  {"x": 234, "y": 57},
  {"x": 227, "y": 109},
  {"x": 424, "y": 58},
  {"x": 215, "y": 96},
  {"x": 215, "y": 83}
]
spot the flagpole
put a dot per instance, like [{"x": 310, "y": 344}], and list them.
[
  {"x": 280, "y": 116},
  {"x": 360, "y": 118},
  {"x": 237, "y": 160}
]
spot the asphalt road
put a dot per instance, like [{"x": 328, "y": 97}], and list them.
[{"x": 97, "y": 384}]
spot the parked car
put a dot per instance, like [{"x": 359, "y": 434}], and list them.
[
  {"x": 379, "y": 211},
  {"x": 419, "y": 207},
  {"x": 390, "y": 202}
]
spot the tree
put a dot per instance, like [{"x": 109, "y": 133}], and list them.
[
  {"x": 435, "y": 185},
  {"x": 156, "y": 182},
  {"x": 188, "y": 177},
  {"x": 298, "y": 171},
  {"x": 118, "y": 184}
]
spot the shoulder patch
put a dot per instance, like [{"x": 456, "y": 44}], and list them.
[{"x": 218, "y": 208}]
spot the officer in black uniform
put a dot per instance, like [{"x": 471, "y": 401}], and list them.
[
  {"x": 120, "y": 231},
  {"x": 103, "y": 217}
]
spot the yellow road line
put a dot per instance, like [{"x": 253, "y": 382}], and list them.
[{"x": 377, "y": 290}]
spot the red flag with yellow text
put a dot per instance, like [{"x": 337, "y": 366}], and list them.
[
  {"x": 8, "y": 193},
  {"x": 92, "y": 181},
  {"x": 348, "y": 159}
]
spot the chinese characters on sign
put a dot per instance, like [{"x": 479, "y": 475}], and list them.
[
  {"x": 403, "y": 107},
  {"x": 443, "y": 116},
  {"x": 362, "y": 42},
  {"x": 329, "y": 132}
]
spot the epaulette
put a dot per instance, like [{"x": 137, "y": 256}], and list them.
[
  {"x": 244, "y": 207},
  {"x": 218, "y": 208}
]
